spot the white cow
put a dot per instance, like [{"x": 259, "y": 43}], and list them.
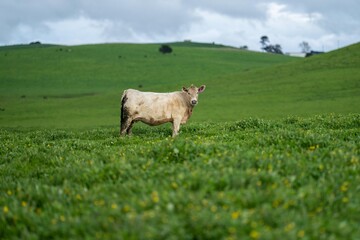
[{"x": 158, "y": 108}]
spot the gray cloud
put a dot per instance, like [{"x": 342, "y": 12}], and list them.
[
  {"x": 338, "y": 16},
  {"x": 251, "y": 9}
]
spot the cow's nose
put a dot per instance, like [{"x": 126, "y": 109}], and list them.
[{"x": 193, "y": 102}]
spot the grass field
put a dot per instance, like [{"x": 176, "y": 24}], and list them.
[
  {"x": 271, "y": 152},
  {"x": 294, "y": 178}
]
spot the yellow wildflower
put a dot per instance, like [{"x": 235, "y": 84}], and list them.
[
  {"x": 235, "y": 215},
  {"x": 126, "y": 209},
  {"x": 344, "y": 187},
  {"x": 254, "y": 234},
  {"x": 213, "y": 208},
  {"x": 5, "y": 209},
  {"x": 289, "y": 227},
  {"x": 301, "y": 234},
  {"x": 99, "y": 202},
  {"x": 155, "y": 197},
  {"x": 354, "y": 160},
  {"x": 276, "y": 203},
  {"x": 174, "y": 185},
  {"x": 78, "y": 197}
]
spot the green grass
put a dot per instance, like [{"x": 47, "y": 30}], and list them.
[
  {"x": 271, "y": 151},
  {"x": 80, "y": 86},
  {"x": 291, "y": 178}
]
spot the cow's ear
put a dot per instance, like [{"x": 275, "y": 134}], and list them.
[
  {"x": 201, "y": 89},
  {"x": 185, "y": 89}
]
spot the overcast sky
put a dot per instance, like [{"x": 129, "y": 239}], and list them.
[{"x": 324, "y": 24}]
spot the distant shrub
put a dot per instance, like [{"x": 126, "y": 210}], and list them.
[
  {"x": 35, "y": 43},
  {"x": 165, "y": 49}
]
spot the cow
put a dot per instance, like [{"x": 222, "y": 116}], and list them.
[{"x": 157, "y": 108}]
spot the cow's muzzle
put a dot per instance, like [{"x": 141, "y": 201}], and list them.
[{"x": 194, "y": 102}]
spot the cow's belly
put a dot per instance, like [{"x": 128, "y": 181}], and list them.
[
  {"x": 155, "y": 122},
  {"x": 153, "y": 117}
]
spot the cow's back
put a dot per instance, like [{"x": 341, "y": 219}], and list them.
[{"x": 136, "y": 99}]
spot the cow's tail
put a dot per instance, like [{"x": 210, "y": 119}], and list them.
[
  {"x": 123, "y": 112},
  {"x": 123, "y": 98}
]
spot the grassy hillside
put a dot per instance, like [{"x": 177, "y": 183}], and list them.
[
  {"x": 320, "y": 84},
  {"x": 80, "y": 86}
]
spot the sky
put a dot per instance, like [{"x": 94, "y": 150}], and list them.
[{"x": 324, "y": 24}]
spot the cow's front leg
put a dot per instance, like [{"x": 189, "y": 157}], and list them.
[{"x": 176, "y": 127}]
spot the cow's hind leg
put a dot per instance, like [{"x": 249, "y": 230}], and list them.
[
  {"x": 126, "y": 121},
  {"x": 126, "y": 125},
  {"x": 128, "y": 131}
]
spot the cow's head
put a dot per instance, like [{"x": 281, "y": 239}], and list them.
[{"x": 192, "y": 93}]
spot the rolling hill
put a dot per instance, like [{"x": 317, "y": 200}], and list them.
[{"x": 80, "y": 86}]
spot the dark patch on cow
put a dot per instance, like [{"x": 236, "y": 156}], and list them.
[{"x": 141, "y": 103}]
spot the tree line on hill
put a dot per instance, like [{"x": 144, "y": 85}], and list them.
[
  {"x": 264, "y": 41},
  {"x": 276, "y": 48},
  {"x": 265, "y": 46}
]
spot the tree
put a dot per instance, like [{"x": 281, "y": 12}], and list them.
[
  {"x": 278, "y": 49},
  {"x": 35, "y": 43},
  {"x": 165, "y": 49},
  {"x": 264, "y": 40},
  {"x": 305, "y": 47},
  {"x": 266, "y": 46},
  {"x": 273, "y": 49}
]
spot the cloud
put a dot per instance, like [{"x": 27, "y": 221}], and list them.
[
  {"x": 219, "y": 28},
  {"x": 68, "y": 30},
  {"x": 325, "y": 24},
  {"x": 281, "y": 25},
  {"x": 249, "y": 9}
]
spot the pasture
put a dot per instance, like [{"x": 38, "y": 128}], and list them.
[
  {"x": 80, "y": 86},
  {"x": 294, "y": 178},
  {"x": 271, "y": 152}
]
